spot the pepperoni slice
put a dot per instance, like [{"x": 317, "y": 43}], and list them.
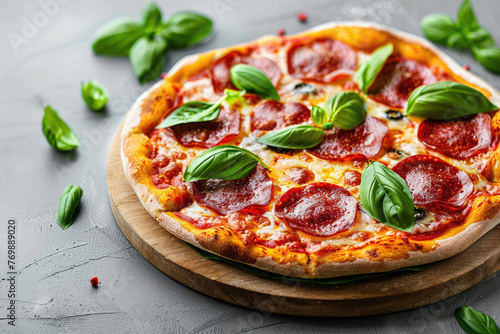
[
  {"x": 231, "y": 196},
  {"x": 432, "y": 180},
  {"x": 460, "y": 138},
  {"x": 322, "y": 60},
  {"x": 321, "y": 209},
  {"x": 211, "y": 133},
  {"x": 365, "y": 140},
  {"x": 398, "y": 78},
  {"x": 221, "y": 78},
  {"x": 273, "y": 115}
]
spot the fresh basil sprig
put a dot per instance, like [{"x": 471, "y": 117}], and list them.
[
  {"x": 198, "y": 111},
  {"x": 319, "y": 116},
  {"x": 94, "y": 94},
  {"x": 293, "y": 137},
  {"x": 385, "y": 196},
  {"x": 225, "y": 162},
  {"x": 58, "y": 133},
  {"x": 465, "y": 32},
  {"x": 68, "y": 202},
  {"x": 346, "y": 110},
  {"x": 447, "y": 99},
  {"x": 368, "y": 71},
  {"x": 147, "y": 42},
  {"x": 475, "y": 322},
  {"x": 246, "y": 77}
]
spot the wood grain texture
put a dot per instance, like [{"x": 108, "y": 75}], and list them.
[{"x": 397, "y": 292}]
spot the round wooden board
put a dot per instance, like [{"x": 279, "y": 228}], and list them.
[{"x": 396, "y": 292}]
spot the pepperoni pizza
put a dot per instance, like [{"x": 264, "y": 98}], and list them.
[{"x": 299, "y": 213}]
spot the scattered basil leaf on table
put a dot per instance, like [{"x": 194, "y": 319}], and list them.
[
  {"x": 293, "y": 137},
  {"x": 94, "y": 94},
  {"x": 442, "y": 29},
  {"x": 117, "y": 37},
  {"x": 466, "y": 17},
  {"x": 146, "y": 57},
  {"x": 346, "y": 110},
  {"x": 447, "y": 99},
  {"x": 68, "y": 202},
  {"x": 488, "y": 57},
  {"x": 58, "y": 133},
  {"x": 185, "y": 29},
  {"x": 474, "y": 322},
  {"x": 150, "y": 39},
  {"x": 322, "y": 281},
  {"x": 385, "y": 196},
  {"x": 225, "y": 162},
  {"x": 368, "y": 70},
  {"x": 246, "y": 77},
  {"x": 480, "y": 38},
  {"x": 319, "y": 116}
]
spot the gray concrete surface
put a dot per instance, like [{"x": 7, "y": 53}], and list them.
[{"x": 53, "y": 294}]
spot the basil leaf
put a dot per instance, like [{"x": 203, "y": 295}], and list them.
[
  {"x": 68, "y": 202},
  {"x": 457, "y": 40},
  {"x": 319, "y": 116},
  {"x": 151, "y": 16},
  {"x": 193, "y": 111},
  {"x": 438, "y": 28},
  {"x": 117, "y": 37},
  {"x": 368, "y": 71},
  {"x": 95, "y": 94},
  {"x": 225, "y": 162},
  {"x": 293, "y": 137},
  {"x": 480, "y": 38},
  {"x": 146, "y": 57},
  {"x": 488, "y": 57},
  {"x": 346, "y": 110},
  {"x": 474, "y": 322},
  {"x": 385, "y": 196},
  {"x": 447, "y": 99},
  {"x": 466, "y": 17},
  {"x": 185, "y": 29},
  {"x": 245, "y": 77},
  {"x": 58, "y": 133}
]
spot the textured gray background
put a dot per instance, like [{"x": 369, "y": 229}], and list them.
[{"x": 54, "y": 294}]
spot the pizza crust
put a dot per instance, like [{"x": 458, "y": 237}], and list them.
[{"x": 147, "y": 112}]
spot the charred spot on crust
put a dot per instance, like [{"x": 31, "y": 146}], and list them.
[
  {"x": 303, "y": 88},
  {"x": 394, "y": 115}
]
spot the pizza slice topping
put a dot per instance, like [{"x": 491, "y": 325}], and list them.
[
  {"x": 323, "y": 60},
  {"x": 221, "y": 78},
  {"x": 248, "y": 193},
  {"x": 272, "y": 115},
  {"x": 397, "y": 79},
  {"x": 211, "y": 133},
  {"x": 364, "y": 140},
  {"x": 458, "y": 138},
  {"x": 432, "y": 180},
  {"x": 320, "y": 209}
]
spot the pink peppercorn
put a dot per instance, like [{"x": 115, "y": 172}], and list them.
[
  {"x": 466, "y": 67},
  {"x": 302, "y": 17},
  {"x": 163, "y": 75},
  {"x": 281, "y": 32},
  {"x": 94, "y": 281}
]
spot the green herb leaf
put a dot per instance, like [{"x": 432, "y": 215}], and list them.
[
  {"x": 68, "y": 202},
  {"x": 447, "y": 99},
  {"x": 488, "y": 57},
  {"x": 117, "y": 37},
  {"x": 474, "y": 322},
  {"x": 151, "y": 16},
  {"x": 346, "y": 110},
  {"x": 479, "y": 38},
  {"x": 245, "y": 77},
  {"x": 193, "y": 111},
  {"x": 58, "y": 133},
  {"x": 368, "y": 71},
  {"x": 185, "y": 29},
  {"x": 95, "y": 94},
  {"x": 225, "y": 162},
  {"x": 293, "y": 137},
  {"x": 385, "y": 196},
  {"x": 146, "y": 58},
  {"x": 319, "y": 116},
  {"x": 442, "y": 29},
  {"x": 466, "y": 17}
]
